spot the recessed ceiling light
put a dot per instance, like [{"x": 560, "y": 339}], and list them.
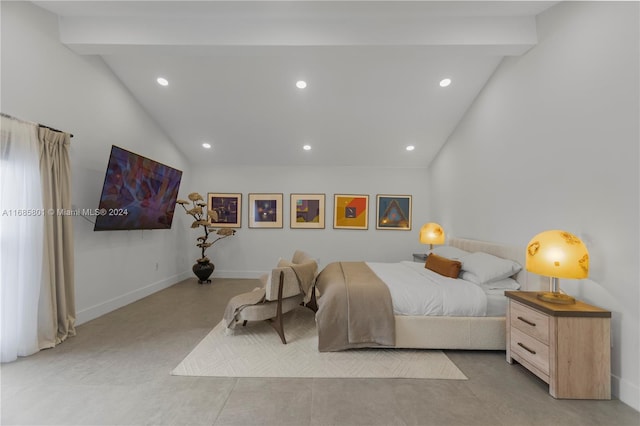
[
  {"x": 206, "y": 145},
  {"x": 301, "y": 84},
  {"x": 410, "y": 148},
  {"x": 162, "y": 81},
  {"x": 445, "y": 82},
  {"x": 307, "y": 147}
]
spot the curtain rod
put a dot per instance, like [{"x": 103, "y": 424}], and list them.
[{"x": 41, "y": 125}]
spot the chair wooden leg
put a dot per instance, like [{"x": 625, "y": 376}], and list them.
[{"x": 276, "y": 322}]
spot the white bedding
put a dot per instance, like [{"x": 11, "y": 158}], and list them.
[
  {"x": 496, "y": 303},
  {"x": 418, "y": 291}
]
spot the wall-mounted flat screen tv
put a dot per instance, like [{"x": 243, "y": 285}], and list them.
[{"x": 138, "y": 193}]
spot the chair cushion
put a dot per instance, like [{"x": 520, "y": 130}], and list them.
[
  {"x": 266, "y": 310},
  {"x": 290, "y": 286}
]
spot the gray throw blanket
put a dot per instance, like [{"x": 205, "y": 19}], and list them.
[
  {"x": 355, "y": 310},
  {"x": 306, "y": 275},
  {"x": 239, "y": 302},
  {"x": 299, "y": 277}
]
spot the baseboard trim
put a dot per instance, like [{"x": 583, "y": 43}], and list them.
[
  {"x": 237, "y": 274},
  {"x": 626, "y": 392},
  {"x": 100, "y": 309}
]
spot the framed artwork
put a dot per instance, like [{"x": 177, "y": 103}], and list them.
[
  {"x": 350, "y": 211},
  {"x": 393, "y": 212},
  {"x": 227, "y": 208},
  {"x": 265, "y": 210},
  {"x": 307, "y": 211}
]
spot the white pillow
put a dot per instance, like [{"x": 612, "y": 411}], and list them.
[
  {"x": 483, "y": 268},
  {"x": 505, "y": 284},
  {"x": 449, "y": 252}
]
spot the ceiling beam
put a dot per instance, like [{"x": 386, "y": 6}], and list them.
[{"x": 107, "y": 35}]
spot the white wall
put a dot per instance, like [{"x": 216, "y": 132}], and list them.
[
  {"x": 252, "y": 251},
  {"x": 45, "y": 82},
  {"x": 552, "y": 143}
]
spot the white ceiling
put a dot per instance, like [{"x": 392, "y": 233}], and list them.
[{"x": 372, "y": 70}]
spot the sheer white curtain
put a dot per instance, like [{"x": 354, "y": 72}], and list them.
[{"x": 21, "y": 237}]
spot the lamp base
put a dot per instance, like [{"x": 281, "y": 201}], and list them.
[{"x": 559, "y": 298}]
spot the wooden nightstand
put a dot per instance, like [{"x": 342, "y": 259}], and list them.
[
  {"x": 419, "y": 257},
  {"x": 567, "y": 346}
]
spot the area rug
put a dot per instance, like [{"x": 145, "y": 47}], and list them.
[{"x": 256, "y": 351}]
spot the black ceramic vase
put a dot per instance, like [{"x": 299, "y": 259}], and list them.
[{"x": 203, "y": 271}]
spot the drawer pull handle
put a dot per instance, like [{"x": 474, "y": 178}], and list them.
[
  {"x": 526, "y": 348},
  {"x": 532, "y": 324}
]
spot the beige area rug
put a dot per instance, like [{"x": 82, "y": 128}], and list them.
[{"x": 256, "y": 351}]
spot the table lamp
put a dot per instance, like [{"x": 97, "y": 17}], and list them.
[
  {"x": 431, "y": 233},
  {"x": 557, "y": 254}
]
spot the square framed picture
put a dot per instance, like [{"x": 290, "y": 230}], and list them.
[
  {"x": 307, "y": 211},
  {"x": 265, "y": 210},
  {"x": 393, "y": 212},
  {"x": 226, "y": 208},
  {"x": 350, "y": 211}
]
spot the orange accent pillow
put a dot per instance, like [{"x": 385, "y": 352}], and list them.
[{"x": 443, "y": 266}]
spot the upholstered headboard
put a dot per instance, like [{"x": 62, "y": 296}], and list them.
[{"x": 527, "y": 280}]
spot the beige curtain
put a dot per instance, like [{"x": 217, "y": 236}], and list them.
[{"x": 57, "y": 312}]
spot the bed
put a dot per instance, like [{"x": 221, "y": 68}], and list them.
[{"x": 350, "y": 316}]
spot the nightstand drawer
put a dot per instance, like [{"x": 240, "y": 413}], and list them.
[
  {"x": 531, "y": 322},
  {"x": 530, "y": 350}
]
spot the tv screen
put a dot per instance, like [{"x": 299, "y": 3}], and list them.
[{"x": 138, "y": 193}]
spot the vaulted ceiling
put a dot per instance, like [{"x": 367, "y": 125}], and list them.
[{"x": 372, "y": 70}]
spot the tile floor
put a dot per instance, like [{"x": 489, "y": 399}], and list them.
[{"x": 116, "y": 372}]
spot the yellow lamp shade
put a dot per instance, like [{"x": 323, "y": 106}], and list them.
[
  {"x": 558, "y": 254},
  {"x": 431, "y": 233}
]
